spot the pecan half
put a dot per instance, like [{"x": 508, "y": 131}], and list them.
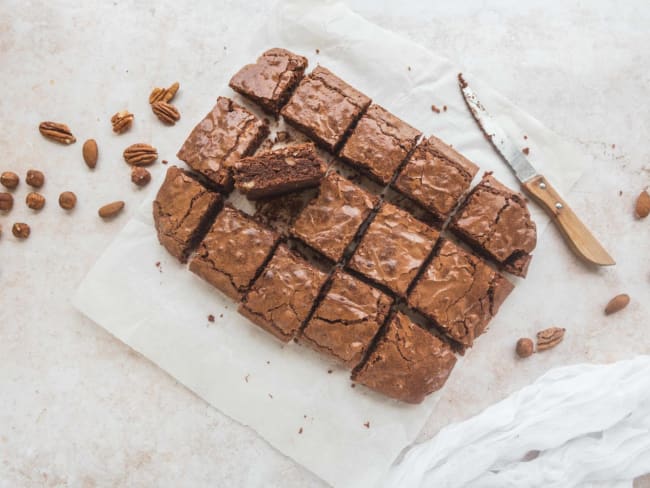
[
  {"x": 166, "y": 112},
  {"x": 122, "y": 121},
  {"x": 57, "y": 132},
  {"x": 549, "y": 338},
  {"x": 140, "y": 154},
  {"x": 163, "y": 94}
]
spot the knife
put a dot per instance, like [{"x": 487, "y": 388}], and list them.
[{"x": 581, "y": 241}]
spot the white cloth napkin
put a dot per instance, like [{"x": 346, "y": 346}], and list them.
[{"x": 575, "y": 426}]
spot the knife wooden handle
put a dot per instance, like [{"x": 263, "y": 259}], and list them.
[{"x": 574, "y": 231}]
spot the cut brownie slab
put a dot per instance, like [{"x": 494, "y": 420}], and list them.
[
  {"x": 325, "y": 107},
  {"x": 182, "y": 212},
  {"x": 228, "y": 133},
  {"x": 460, "y": 293},
  {"x": 331, "y": 220},
  {"x": 407, "y": 363},
  {"x": 393, "y": 248},
  {"x": 495, "y": 221},
  {"x": 347, "y": 319},
  {"x": 270, "y": 81},
  {"x": 283, "y": 295},
  {"x": 233, "y": 251},
  {"x": 436, "y": 176},
  {"x": 379, "y": 143},
  {"x": 279, "y": 171}
]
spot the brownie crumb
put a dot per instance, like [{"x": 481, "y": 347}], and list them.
[
  {"x": 526, "y": 151},
  {"x": 367, "y": 425},
  {"x": 246, "y": 378},
  {"x": 525, "y": 136},
  {"x": 435, "y": 109},
  {"x": 164, "y": 161},
  {"x": 300, "y": 430},
  {"x": 317, "y": 51},
  {"x": 613, "y": 146},
  {"x": 268, "y": 362},
  {"x": 444, "y": 108},
  {"x": 329, "y": 371},
  {"x": 461, "y": 80},
  {"x": 353, "y": 385},
  {"x": 157, "y": 264},
  {"x": 304, "y": 416},
  {"x": 210, "y": 318},
  {"x": 270, "y": 396},
  {"x": 620, "y": 193},
  {"x": 282, "y": 136},
  {"x": 409, "y": 68},
  {"x": 220, "y": 315}
]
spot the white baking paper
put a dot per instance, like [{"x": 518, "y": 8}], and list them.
[{"x": 162, "y": 311}]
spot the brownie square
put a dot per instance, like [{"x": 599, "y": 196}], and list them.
[
  {"x": 279, "y": 171},
  {"x": 460, "y": 293},
  {"x": 182, "y": 211},
  {"x": 379, "y": 143},
  {"x": 325, "y": 107},
  {"x": 228, "y": 133},
  {"x": 407, "y": 364},
  {"x": 331, "y": 220},
  {"x": 270, "y": 81},
  {"x": 281, "y": 298},
  {"x": 436, "y": 176},
  {"x": 233, "y": 251},
  {"x": 347, "y": 319},
  {"x": 393, "y": 248},
  {"x": 495, "y": 221}
]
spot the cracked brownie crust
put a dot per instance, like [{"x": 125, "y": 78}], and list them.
[
  {"x": 279, "y": 171},
  {"x": 460, "y": 293},
  {"x": 496, "y": 223},
  {"x": 407, "y": 363},
  {"x": 283, "y": 295},
  {"x": 233, "y": 251},
  {"x": 379, "y": 143},
  {"x": 182, "y": 211},
  {"x": 393, "y": 248},
  {"x": 228, "y": 133},
  {"x": 330, "y": 221},
  {"x": 347, "y": 319},
  {"x": 270, "y": 81},
  {"x": 436, "y": 176},
  {"x": 325, "y": 107}
]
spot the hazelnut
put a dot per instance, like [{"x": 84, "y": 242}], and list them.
[
  {"x": 67, "y": 200},
  {"x": 9, "y": 180},
  {"x": 525, "y": 347},
  {"x": 6, "y": 201},
  {"x": 20, "y": 230},
  {"x": 35, "y": 201},
  {"x": 35, "y": 178},
  {"x": 140, "y": 176}
]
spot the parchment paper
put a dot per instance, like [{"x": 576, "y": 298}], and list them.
[{"x": 162, "y": 311}]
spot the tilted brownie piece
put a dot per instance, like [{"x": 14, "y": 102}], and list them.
[
  {"x": 233, "y": 251},
  {"x": 436, "y": 176},
  {"x": 283, "y": 295},
  {"x": 270, "y": 81},
  {"x": 407, "y": 364},
  {"x": 331, "y": 220},
  {"x": 460, "y": 293},
  {"x": 228, "y": 133},
  {"x": 347, "y": 319},
  {"x": 324, "y": 107},
  {"x": 182, "y": 212},
  {"x": 279, "y": 171},
  {"x": 495, "y": 221},
  {"x": 393, "y": 248},
  {"x": 379, "y": 143}
]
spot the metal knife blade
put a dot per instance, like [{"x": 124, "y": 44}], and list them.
[
  {"x": 504, "y": 145},
  {"x": 576, "y": 233}
]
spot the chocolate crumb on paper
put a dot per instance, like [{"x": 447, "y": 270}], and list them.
[
  {"x": 270, "y": 396},
  {"x": 317, "y": 51},
  {"x": 329, "y": 371},
  {"x": 353, "y": 385},
  {"x": 435, "y": 109},
  {"x": 525, "y": 136},
  {"x": 366, "y": 425},
  {"x": 210, "y": 318},
  {"x": 300, "y": 430},
  {"x": 526, "y": 151},
  {"x": 444, "y": 108},
  {"x": 246, "y": 378},
  {"x": 164, "y": 161}
]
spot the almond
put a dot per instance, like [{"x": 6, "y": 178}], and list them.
[
  {"x": 111, "y": 210},
  {"x": 616, "y": 304},
  {"x": 642, "y": 209},
  {"x": 90, "y": 153}
]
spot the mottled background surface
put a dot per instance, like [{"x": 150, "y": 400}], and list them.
[{"x": 78, "y": 408}]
